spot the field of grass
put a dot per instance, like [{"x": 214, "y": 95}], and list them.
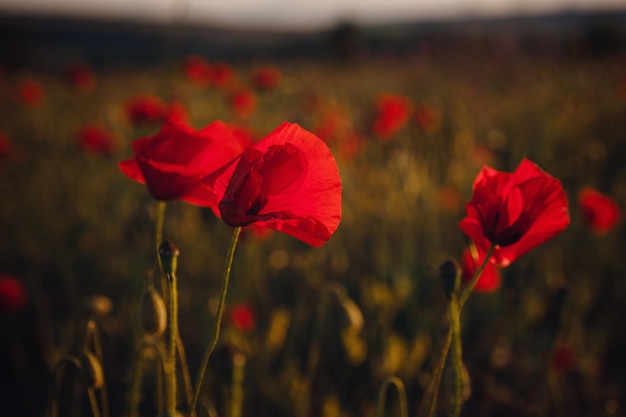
[{"x": 78, "y": 235}]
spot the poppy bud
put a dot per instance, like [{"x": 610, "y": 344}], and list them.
[
  {"x": 169, "y": 257},
  {"x": 152, "y": 313},
  {"x": 450, "y": 277},
  {"x": 92, "y": 373}
]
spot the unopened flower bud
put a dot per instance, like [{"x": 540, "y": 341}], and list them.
[
  {"x": 93, "y": 375},
  {"x": 169, "y": 257},
  {"x": 450, "y": 277},
  {"x": 152, "y": 313}
]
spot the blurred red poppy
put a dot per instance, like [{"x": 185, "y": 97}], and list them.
[
  {"x": 96, "y": 139},
  {"x": 427, "y": 118},
  {"x": 5, "y": 146},
  {"x": 13, "y": 295},
  {"x": 172, "y": 162},
  {"x": 266, "y": 78},
  {"x": 145, "y": 109},
  {"x": 449, "y": 198},
  {"x": 514, "y": 211},
  {"x": 601, "y": 213},
  {"x": 289, "y": 182},
  {"x": 222, "y": 74},
  {"x": 197, "y": 69},
  {"x": 242, "y": 317},
  {"x": 392, "y": 114},
  {"x": 31, "y": 92},
  {"x": 331, "y": 124},
  {"x": 176, "y": 112},
  {"x": 563, "y": 357},
  {"x": 80, "y": 76},
  {"x": 471, "y": 260},
  {"x": 243, "y": 103}
]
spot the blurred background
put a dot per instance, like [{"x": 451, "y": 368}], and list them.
[{"x": 413, "y": 98}]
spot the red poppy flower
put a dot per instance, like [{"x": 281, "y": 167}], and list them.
[
  {"x": 80, "y": 76},
  {"x": 242, "y": 317},
  {"x": 257, "y": 231},
  {"x": 288, "y": 182},
  {"x": 244, "y": 103},
  {"x": 13, "y": 295},
  {"x": 515, "y": 211},
  {"x": 96, "y": 139},
  {"x": 266, "y": 78},
  {"x": 197, "y": 69},
  {"x": 392, "y": 114},
  {"x": 31, "y": 93},
  {"x": 489, "y": 280},
  {"x": 5, "y": 146},
  {"x": 146, "y": 109},
  {"x": 172, "y": 162},
  {"x": 601, "y": 212}
]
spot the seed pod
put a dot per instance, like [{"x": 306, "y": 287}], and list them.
[
  {"x": 152, "y": 313},
  {"x": 93, "y": 375}
]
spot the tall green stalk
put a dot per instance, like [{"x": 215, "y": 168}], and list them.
[{"x": 218, "y": 319}]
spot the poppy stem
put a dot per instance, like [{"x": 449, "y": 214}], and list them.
[
  {"x": 159, "y": 230},
  {"x": 382, "y": 396},
  {"x": 218, "y": 319},
  {"x": 429, "y": 401},
  {"x": 457, "y": 354},
  {"x": 173, "y": 332},
  {"x": 470, "y": 287}
]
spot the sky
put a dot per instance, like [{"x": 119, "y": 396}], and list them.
[{"x": 290, "y": 14}]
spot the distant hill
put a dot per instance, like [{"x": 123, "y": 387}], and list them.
[{"x": 48, "y": 43}]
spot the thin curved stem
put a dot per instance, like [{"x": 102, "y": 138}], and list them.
[
  {"x": 93, "y": 401},
  {"x": 68, "y": 360},
  {"x": 457, "y": 355},
  {"x": 432, "y": 393},
  {"x": 173, "y": 332},
  {"x": 218, "y": 319},
  {"x": 184, "y": 368},
  {"x": 470, "y": 287},
  {"x": 93, "y": 336},
  {"x": 159, "y": 230},
  {"x": 382, "y": 396},
  {"x": 138, "y": 375}
]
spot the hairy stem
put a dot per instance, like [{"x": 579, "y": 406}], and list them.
[{"x": 218, "y": 319}]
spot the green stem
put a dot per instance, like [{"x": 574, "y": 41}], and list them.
[
  {"x": 173, "y": 332},
  {"x": 236, "y": 387},
  {"x": 218, "y": 320},
  {"x": 470, "y": 287},
  {"x": 68, "y": 360},
  {"x": 159, "y": 230},
  {"x": 184, "y": 368},
  {"x": 432, "y": 392},
  {"x": 457, "y": 355},
  {"x": 382, "y": 396},
  {"x": 93, "y": 401},
  {"x": 93, "y": 336}
]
